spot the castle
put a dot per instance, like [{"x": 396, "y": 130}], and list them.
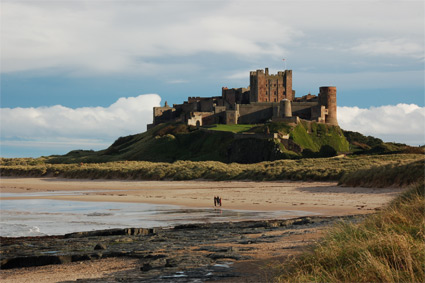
[{"x": 268, "y": 98}]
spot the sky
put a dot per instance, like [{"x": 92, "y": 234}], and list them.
[{"x": 79, "y": 74}]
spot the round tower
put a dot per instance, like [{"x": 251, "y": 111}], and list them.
[
  {"x": 327, "y": 98},
  {"x": 287, "y": 112}
]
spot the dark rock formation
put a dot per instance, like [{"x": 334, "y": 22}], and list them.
[{"x": 189, "y": 252}]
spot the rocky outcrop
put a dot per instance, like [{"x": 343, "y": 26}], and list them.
[{"x": 192, "y": 251}]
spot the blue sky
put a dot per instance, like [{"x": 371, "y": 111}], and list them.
[{"x": 79, "y": 74}]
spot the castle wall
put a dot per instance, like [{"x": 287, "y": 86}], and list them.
[
  {"x": 206, "y": 105},
  {"x": 318, "y": 113},
  {"x": 255, "y": 112},
  {"x": 303, "y": 109},
  {"x": 163, "y": 114},
  {"x": 210, "y": 119},
  {"x": 231, "y": 117},
  {"x": 229, "y": 95},
  {"x": 189, "y": 107}
]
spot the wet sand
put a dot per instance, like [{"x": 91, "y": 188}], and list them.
[
  {"x": 328, "y": 199},
  {"x": 325, "y": 198}
]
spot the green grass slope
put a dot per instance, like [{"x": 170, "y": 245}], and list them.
[
  {"x": 172, "y": 142},
  {"x": 164, "y": 143},
  {"x": 314, "y": 136}
]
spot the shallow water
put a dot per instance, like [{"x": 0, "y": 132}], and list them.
[{"x": 37, "y": 217}]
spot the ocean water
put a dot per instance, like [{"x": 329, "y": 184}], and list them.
[{"x": 37, "y": 217}]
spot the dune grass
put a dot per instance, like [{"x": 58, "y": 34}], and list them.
[
  {"x": 395, "y": 169},
  {"x": 385, "y": 247},
  {"x": 393, "y": 174}
]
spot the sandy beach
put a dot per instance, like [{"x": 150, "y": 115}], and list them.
[
  {"x": 327, "y": 199},
  {"x": 319, "y": 197}
]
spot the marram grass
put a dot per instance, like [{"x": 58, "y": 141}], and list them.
[
  {"x": 385, "y": 247},
  {"x": 372, "y": 171}
]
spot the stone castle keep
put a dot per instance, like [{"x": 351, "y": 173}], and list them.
[{"x": 268, "y": 98}]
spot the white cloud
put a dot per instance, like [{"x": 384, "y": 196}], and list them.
[
  {"x": 178, "y": 81},
  {"x": 361, "y": 80},
  {"x": 239, "y": 75},
  {"x": 403, "y": 123},
  {"x": 124, "y": 36},
  {"x": 92, "y": 127},
  {"x": 394, "y": 47},
  {"x": 97, "y": 37}
]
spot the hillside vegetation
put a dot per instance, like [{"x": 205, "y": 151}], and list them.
[
  {"x": 306, "y": 151},
  {"x": 235, "y": 143},
  {"x": 385, "y": 247},
  {"x": 172, "y": 142},
  {"x": 363, "y": 170}
]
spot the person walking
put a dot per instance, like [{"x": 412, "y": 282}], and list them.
[{"x": 215, "y": 201}]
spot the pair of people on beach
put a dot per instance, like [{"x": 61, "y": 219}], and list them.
[{"x": 217, "y": 201}]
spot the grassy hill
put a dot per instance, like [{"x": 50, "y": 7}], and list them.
[
  {"x": 235, "y": 143},
  {"x": 172, "y": 142},
  {"x": 179, "y": 152}
]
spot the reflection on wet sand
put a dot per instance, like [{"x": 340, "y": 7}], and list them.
[{"x": 35, "y": 217}]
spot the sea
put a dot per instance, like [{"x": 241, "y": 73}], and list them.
[{"x": 41, "y": 217}]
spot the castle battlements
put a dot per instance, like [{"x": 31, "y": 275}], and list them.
[{"x": 269, "y": 97}]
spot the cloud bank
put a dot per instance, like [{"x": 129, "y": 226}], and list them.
[
  {"x": 402, "y": 123},
  {"x": 58, "y": 127},
  {"x": 98, "y": 37}
]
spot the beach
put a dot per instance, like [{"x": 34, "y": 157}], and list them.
[
  {"x": 325, "y": 198},
  {"x": 316, "y": 198}
]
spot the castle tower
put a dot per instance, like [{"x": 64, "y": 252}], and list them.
[
  {"x": 265, "y": 87},
  {"x": 287, "y": 80},
  {"x": 327, "y": 98}
]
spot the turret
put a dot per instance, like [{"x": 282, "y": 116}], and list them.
[
  {"x": 327, "y": 98},
  {"x": 287, "y": 110}
]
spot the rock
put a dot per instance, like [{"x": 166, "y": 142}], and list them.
[
  {"x": 112, "y": 232},
  {"x": 170, "y": 262},
  {"x": 100, "y": 247},
  {"x": 302, "y": 221},
  {"x": 124, "y": 240},
  {"x": 186, "y": 253},
  {"x": 79, "y": 257},
  {"x": 29, "y": 261},
  {"x": 96, "y": 256},
  {"x": 216, "y": 256},
  {"x": 146, "y": 267},
  {"x": 215, "y": 249}
]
